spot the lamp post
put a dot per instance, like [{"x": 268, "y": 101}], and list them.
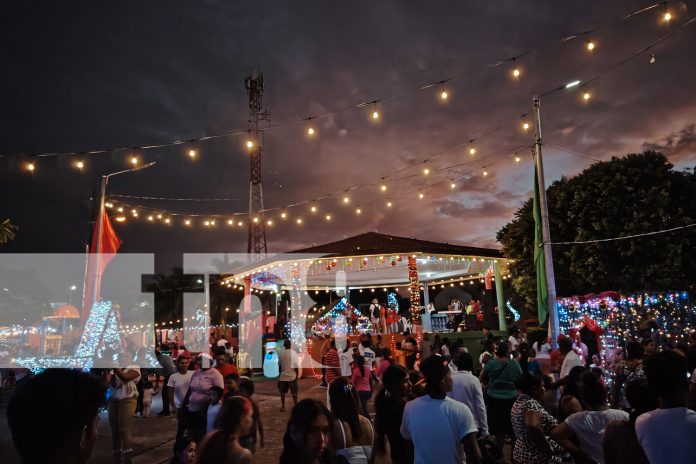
[
  {"x": 70, "y": 292},
  {"x": 100, "y": 219}
]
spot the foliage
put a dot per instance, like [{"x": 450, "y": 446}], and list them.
[
  {"x": 636, "y": 194},
  {"x": 7, "y": 231}
]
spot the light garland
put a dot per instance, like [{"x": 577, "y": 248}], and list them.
[{"x": 414, "y": 290}]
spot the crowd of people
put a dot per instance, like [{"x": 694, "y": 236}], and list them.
[{"x": 428, "y": 404}]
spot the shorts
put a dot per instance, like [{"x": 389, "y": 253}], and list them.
[{"x": 284, "y": 386}]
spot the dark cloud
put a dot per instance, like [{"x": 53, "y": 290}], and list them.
[{"x": 79, "y": 75}]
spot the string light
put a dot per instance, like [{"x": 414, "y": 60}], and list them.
[
  {"x": 346, "y": 200},
  {"x": 383, "y": 188},
  {"x": 314, "y": 208},
  {"x": 284, "y": 215},
  {"x": 328, "y": 217},
  {"x": 517, "y": 159},
  {"x": 375, "y": 113},
  {"x": 472, "y": 151},
  {"x": 453, "y": 185},
  {"x": 192, "y": 154},
  {"x": 515, "y": 70},
  {"x": 80, "y": 165},
  {"x": 389, "y": 204},
  {"x": 485, "y": 173},
  {"x": 120, "y": 218},
  {"x": 310, "y": 128},
  {"x": 525, "y": 126},
  {"x": 667, "y": 17},
  {"x": 421, "y": 195},
  {"x": 167, "y": 221},
  {"x": 187, "y": 222},
  {"x": 586, "y": 96},
  {"x": 358, "y": 211},
  {"x": 652, "y": 58},
  {"x": 150, "y": 218},
  {"x": 299, "y": 220},
  {"x": 590, "y": 46},
  {"x": 269, "y": 222},
  {"x": 230, "y": 222},
  {"x": 31, "y": 167},
  {"x": 134, "y": 161},
  {"x": 250, "y": 144}
]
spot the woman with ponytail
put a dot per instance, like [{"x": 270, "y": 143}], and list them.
[{"x": 221, "y": 446}]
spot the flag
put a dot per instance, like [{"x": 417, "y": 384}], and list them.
[
  {"x": 110, "y": 243},
  {"x": 539, "y": 264}
]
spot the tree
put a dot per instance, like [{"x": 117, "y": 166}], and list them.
[
  {"x": 636, "y": 194},
  {"x": 7, "y": 231}
]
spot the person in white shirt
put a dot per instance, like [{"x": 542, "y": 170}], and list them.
[
  {"x": 587, "y": 427},
  {"x": 179, "y": 383},
  {"x": 289, "y": 371},
  {"x": 122, "y": 403},
  {"x": 571, "y": 359},
  {"x": 512, "y": 339},
  {"x": 466, "y": 388},
  {"x": 668, "y": 434},
  {"x": 345, "y": 355},
  {"x": 442, "y": 430},
  {"x": 213, "y": 408},
  {"x": 543, "y": 355}
]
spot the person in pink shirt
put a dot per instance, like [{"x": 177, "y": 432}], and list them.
[
  {"x": 361, "y": 382},
  {"x": 384, "y": 363},
  {"x": 198, "y": 398}
]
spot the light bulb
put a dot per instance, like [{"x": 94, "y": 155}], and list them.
[
  {"x": 586, "y": 96},
  {"x": 159, "y": 216},
  {"x": 375, "y": 114},
  {"x": 485, "y": 173},
  {"x": 187, "y": 222},
  {"x": 134, "y": 160},
  {"x": 453, "y": 186},
  {"x": 389, "y": 204},
  {"x": 167, "y": 221},
  {"x": 517, "y": 159},
  {"x": 192, "y": 154},
  {"x": 426, "y": 171},
  {"x": 667, "y": 17},
  {"x": 652, "y": 58},
  {"x": 120, "y": 209},
  {"x": 256, "y": 220},
  {"x": 328, "y": 217},
  {"x": 120, "y": 218},
  {"x": 134, "y": 212},
  {"x": 421, "y": 195},
  {"x": 212, "y": 222},
  {"x": 516, "y": 72},
  {"x": 269, "y": 222},
  {"x": 240, "y": 223},
  {"x": 383, "y": 188},
  {"x": 358, "y": 211},
  {"x": 310, "y": 131},
  {"x": 31, "y": 167},
  {"x": 346, "y": 200},
  {"x": 525, "y": 126},
  {"x": 150, "y": 218},
  {"x": 472, "y": 151},
  {"x": 206, "y": 223},
  {"x": 230, "y": 222},
  {"x": 284, "y": 215},
  {"x": 299, "y": 220},
  {"x": 590, "y": 46},
  {"x": 444, "y": 95},
  {"x": 80, "y": 165},
  {"x": 250, "y": 144}
]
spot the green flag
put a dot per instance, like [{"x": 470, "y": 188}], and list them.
[{"x": 539, "y": 265}]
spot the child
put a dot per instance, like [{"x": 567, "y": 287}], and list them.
[
  {"x": 148, "y": 392},
  {"x": 231, "y": 385},
  {"x": 215, "y": 395},
  {"x": 246, "y": 389}
]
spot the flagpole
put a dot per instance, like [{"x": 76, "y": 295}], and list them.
[{"x": 545, "y": 232}]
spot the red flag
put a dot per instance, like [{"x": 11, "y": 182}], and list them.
[{"x": 110, "y": 243}]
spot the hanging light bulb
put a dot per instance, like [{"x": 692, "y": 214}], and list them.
[
  {"x": 421, "y": 195},
  {"x": 134, "y": 160},
  {"x": 167, "y": 221},
  {"x": 299, "y": 220},
  {"x": 255, "y": 220},
  {"x": 586, "y": 96},
  {"x": 31, "y": 167},
  {"x": 230, "y": 222},
  {"x": 120, "y": 218},
  {"x": 240, "y": 223},
  {"x": 590, "y": 46},
  {"x": 517, "y": 159},
  {"x": 358, "y": 211},
  {"x": 328, "y": 217},
  {"x": 346, "y": 200},
  {"x": 389, "y": 204},
  {"x": 472, "y": 151},
  {"x": 212, "y": 222},
  {"x": 525, "y": 126},
  {"x": 269, "y": 222},
  {"x": 310, "y": 130},
  {"x": 383, "y": 187},
  {"x": 150, "y": 218},
  {"x": 667, "y": 17},
  {"x": 313, "y": 209},
  {"x": 426, "y": 171},
  {"x": 453, "y": 186},
  {"x": 80, "y": 165},
  {"x": 375, "y": 113},
  {"x": 187, "y": 222},
  {"x": 515, "y": 70},
  {"x": 652, "y": 58},
  {"x": 485, "y": 173},
  {"x": 284, "y": 215},
  {"x": 250, "y": 144},
  {"x": 192, "y": 153}
]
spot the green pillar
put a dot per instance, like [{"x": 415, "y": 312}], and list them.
[{"x": 499, "y": 295}]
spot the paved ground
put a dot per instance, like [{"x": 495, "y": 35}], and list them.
[{"x": 153, "y": 437}]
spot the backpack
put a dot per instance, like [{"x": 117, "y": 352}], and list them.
[{"x": 375, "y": 311}]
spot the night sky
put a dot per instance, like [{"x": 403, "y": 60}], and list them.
[{"x": 84, "y": 75}]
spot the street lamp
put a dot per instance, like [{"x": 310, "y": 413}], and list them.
[
  {"x": 100, "y": 220},
  {"x": 72, "y": 289}
]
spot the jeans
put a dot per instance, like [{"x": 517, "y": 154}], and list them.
[
  {"x": 364, "y": 398},
  {"x": 165, "y": 395}
]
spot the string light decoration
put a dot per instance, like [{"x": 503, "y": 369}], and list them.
[
  {"x": 665, "y": 17},
  {"x": 414, "y": 290}
]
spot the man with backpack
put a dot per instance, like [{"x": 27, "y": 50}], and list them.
[{"x": 374, "y": 315}]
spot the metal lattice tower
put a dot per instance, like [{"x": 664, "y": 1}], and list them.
[{"x": 256, "y": 245}]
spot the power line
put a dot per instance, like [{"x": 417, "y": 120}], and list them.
[{"x": 626, "y": 237}]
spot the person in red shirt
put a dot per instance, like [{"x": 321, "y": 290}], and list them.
[
  {"x": 332, "y": 362},
  {"x": 223, "y": 366}
]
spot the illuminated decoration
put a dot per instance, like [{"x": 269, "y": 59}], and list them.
[
  {"x": 192, "y": 154},
  {"x": 392, "y": 300},
  {"x": 31, "y": 167},
  {"x": 590, "y": 46},
  {"x": 80, "y": 165},
  {"x": 652, "y": 58},
  {"x": 586, "y": 96},
  {"x": 134, "y": 161},
  {"x": 515, "y": 313},
  {"x": 414, "y": 289},
  {"x": 297, "y": 323},
  {"x": 472, "y": 151}
]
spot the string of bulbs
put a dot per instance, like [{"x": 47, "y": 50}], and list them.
[{"x": 666, "y": 16}]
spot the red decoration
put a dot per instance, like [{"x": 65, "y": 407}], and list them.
[
  {"x": 328, "y": 267},
  {"x": 393, "y": 263},
  {"x": 333, "y": 263},
  {"x": 399, "y": 259}
]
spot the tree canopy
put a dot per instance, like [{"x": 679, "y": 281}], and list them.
[{"x": 636, "y": 194}]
